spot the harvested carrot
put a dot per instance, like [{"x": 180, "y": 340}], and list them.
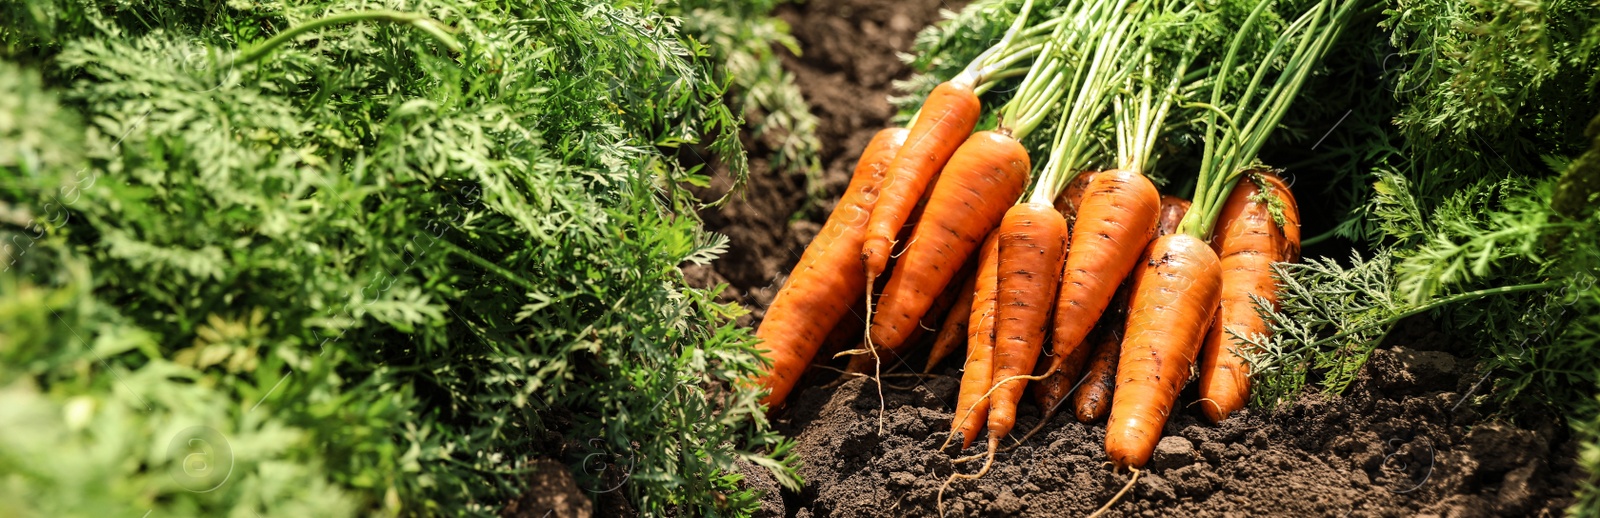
[
  {"x": 1033, "y": 246},
  {"x": 1172, "y": 210},
  {"x": 972, "y": 408},
  {"x": 1175, "y": 291},
  {"x": 1033, "y": 235},
  {"x": 1092, "y": 402},
  {"x": 953, "y": 332},
  {"x": 1059, "y": 377},
  {"x": 1162, "y": 323},
  {"x": 985, "y": 176},
  {"x": 1116, "y": 219},
  {"x": 1072, "y": 196},
  {"x": 1248, "y": 239},
  {"x": 1178, "y": 285},
  {"x": 947, "y": 118},
  {"x": 1171, "y": 289},
  {"x": 828, "y": 279}
]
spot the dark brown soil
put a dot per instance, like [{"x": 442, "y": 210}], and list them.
[
  {"x": 1391, "y": 446},
  {"x": 552, "y": 492},
  {"x": 1398, "y": 443}
]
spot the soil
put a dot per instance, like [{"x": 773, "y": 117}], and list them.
[
  {"x": 552, "y": 492},
  {"x": 1395, "y": 444},
  {"x": 1399, "y": 442}
]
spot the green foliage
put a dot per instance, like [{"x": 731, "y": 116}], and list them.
[
  {"x": 1482, "y": 69},
  {"x": 1483, "y": 225},
  {"x": 93, "y": 419},
  {"x": 75, "y": 417},
  {"x": 1331, "y": 317},
  {"x": 1479, "y": 211},
  {"x": 1469, "y": 180},
  {"x": 1588, "y": 502},
  {"x": 742, "y": 35},
  {"x": 1473, "y": 256},
  {"x": 371, "y": 259}
]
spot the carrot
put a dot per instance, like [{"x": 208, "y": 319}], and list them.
[
  {"x": 947, "y": 117},
  {"x": 1060, "y": 377},
  {"x": 1033, "y": 235},
  {"x": 1093, "y": 400},
  {"x": 828, "y": 277},
  {"x": 972, "y": 408},
  {"x": 1033, "y": 246},
  {"x": 1072, "y": 196},
  {"x": 1176, "y": 289},
  {"x": 1248, "y": 240},
  {"x": 1172, "y": 210},
  {"x": 1116, "y": 219},
  {"x": 953, "y": 332},
  {"x": 985, "y": 176}
]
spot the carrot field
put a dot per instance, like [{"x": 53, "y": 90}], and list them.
[{"x": 800, "y": 259}]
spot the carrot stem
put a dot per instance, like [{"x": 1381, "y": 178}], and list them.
[
  {"x": 1436, "y": 304},
  {"x": 1095, "y": 75},
  {"x": 1228, "y": 155},
  {"x": 417, "y": 20}
]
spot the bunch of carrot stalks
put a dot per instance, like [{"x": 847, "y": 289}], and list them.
[{"x": 1077, "y": 275}]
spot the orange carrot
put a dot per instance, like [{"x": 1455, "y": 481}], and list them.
[
  {"x": 972, "y": 408},
  {"x": 946, "y": 119},
  {"x": 1172, "y": 210},
  {"x": 953, "y": 332},
  {"x": 1116, "y": 219},
  {"x": 1059, "y": 377},
  {"x": 1176, "y": 289},
  {"x": 982, "y": 180},
  {"x": 1248, "y": 241},
  {"x": 1033, "y": 246},
  {"x": 1072, "y": 196},
  {"x": 825, "y": 283},
  {"x": 1093, "y": 400}
]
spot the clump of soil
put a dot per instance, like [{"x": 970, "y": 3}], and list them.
[{"x": 1398, "y": 443}]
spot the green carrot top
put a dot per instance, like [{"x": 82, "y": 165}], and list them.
[{"x": 1232, "y": 140}]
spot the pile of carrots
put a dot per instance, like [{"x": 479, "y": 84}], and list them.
[{"x": 1076, "y": 275}]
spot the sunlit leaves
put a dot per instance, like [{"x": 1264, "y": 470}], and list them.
[{"x": 436, "y": 265}]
